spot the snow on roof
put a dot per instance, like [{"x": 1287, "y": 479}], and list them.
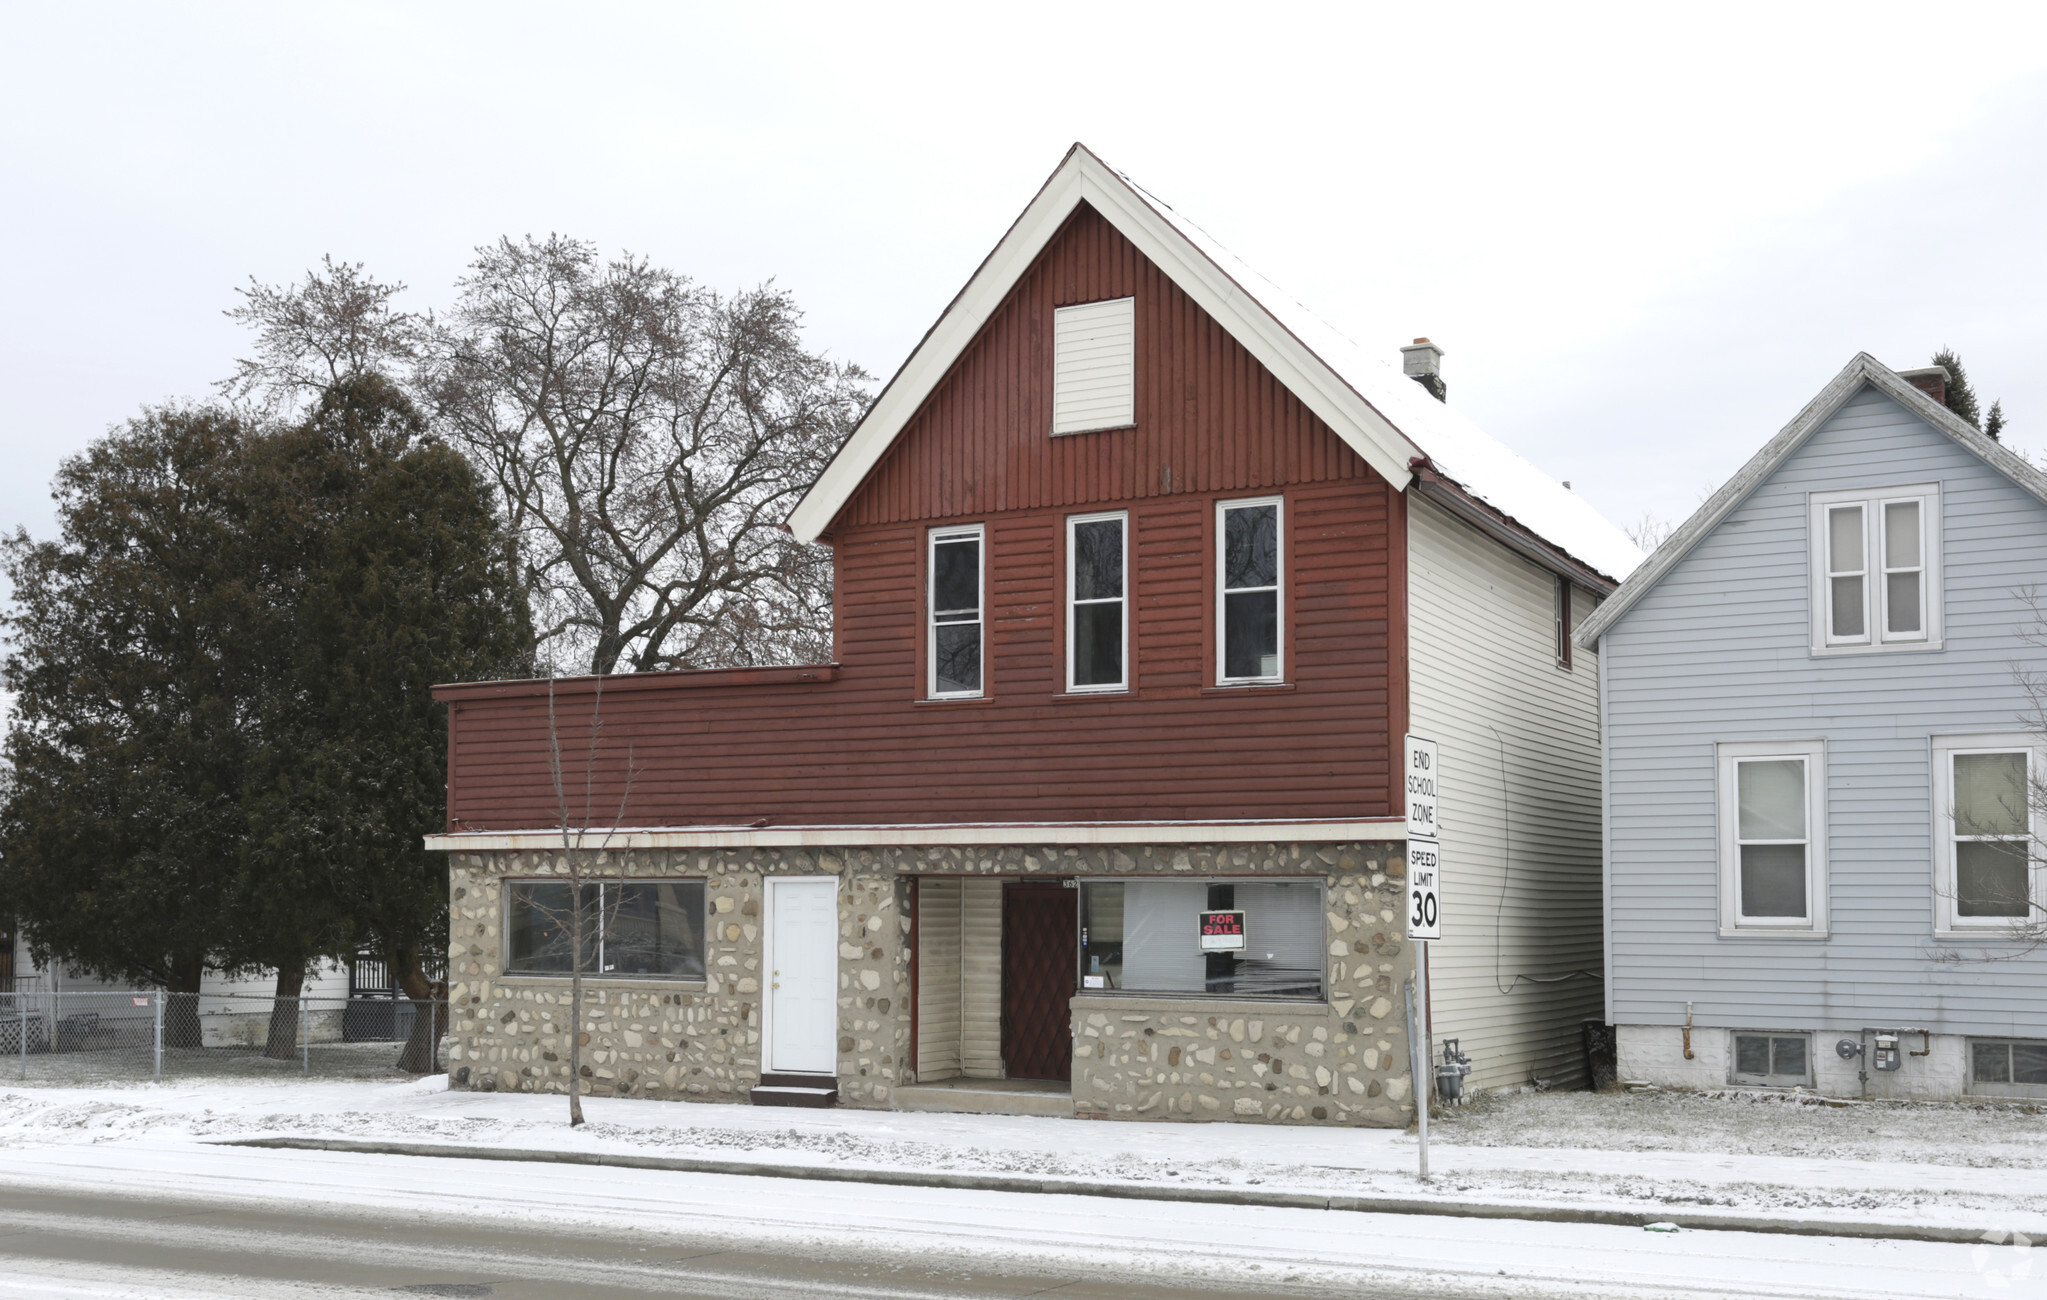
[{"x": 1456, "y": 447}]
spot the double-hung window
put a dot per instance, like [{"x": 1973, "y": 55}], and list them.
[
  {"x": 1773, "y": 844},
  {"x": 1986, "y": 869},
  {"x": 1097, "y": 604},
  {"x": 1876, "y": 569},
  {"x": 1249, "y": 606},
  {"x": 957, "y": 619}
]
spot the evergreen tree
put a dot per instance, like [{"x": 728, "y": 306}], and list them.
[
  {"x": 136, "y": 639},
  {"x": 1993, "y": 424},
  {"x": 1961, "y": 399}
]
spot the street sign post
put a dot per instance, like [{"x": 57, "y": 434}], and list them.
[{"x": 1424, "y": 911}]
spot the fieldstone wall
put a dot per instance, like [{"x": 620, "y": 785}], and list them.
[{"x": 1344, "y": 1062}]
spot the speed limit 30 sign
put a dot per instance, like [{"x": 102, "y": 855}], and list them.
[{"x": 1424, "y": 857}]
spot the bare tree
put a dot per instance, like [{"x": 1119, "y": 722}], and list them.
[
  {"x": 647, "y": 437},
  {"x": 311, "y": 335},
  {"x": 1649, "y": 531},
  {"x": 579, "y": 918}
]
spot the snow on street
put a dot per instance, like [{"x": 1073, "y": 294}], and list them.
[{"x": 155, "y": 1141}]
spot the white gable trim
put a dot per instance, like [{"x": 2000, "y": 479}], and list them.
[
  {"x": 1082, "y": 177},
  {"x": 1864, "y": 371}
]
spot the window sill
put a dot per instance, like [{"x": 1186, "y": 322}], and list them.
[
  {"x": 1249, "y": 688},
  {"x": 1890, "y": 648},
  {"x": 627, "y": 982},
  {"x": 1769, "y": 932},
  {"x": 1068, "y": 697},
  {"x": 1985, "y": 935},
  {"x": 952, "y": 702},
  {"x": 1139, "y": 1000}
]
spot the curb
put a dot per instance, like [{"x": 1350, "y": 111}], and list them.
[{"x": 1132, "y": 1192}]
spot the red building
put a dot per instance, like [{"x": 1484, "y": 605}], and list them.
[{"x": 1141, "y": 575}]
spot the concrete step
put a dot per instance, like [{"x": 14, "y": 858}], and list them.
[
  {"x": 988, "y": 1097},
  {"x": 815, "y": 1090}
]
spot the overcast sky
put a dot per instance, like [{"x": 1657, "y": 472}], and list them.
[{"x": 1646, "y": 235}]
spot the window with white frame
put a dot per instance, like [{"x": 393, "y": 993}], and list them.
[
  {"x": 1987, "y": 880},
  {"x": 1876, "y": 569},
  {"x": 1097, "y": 614},
  {"x": 1094, "y": 366},
  {"x": 1772, "y": 1060},
  {"x": 1773, "y": 859},
  {"x": 957, "y": 621},
  {"x": 1249, "y": 607}
]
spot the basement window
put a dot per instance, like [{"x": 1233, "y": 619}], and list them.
[
  {"x": 2008, "y": 1068},
  {"x": 1147, "y": 936},
  {"x": 1773, "y": 1060},
  {"x": 632, "y": 929}
]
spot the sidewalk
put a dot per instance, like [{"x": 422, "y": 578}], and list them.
[{"x": 1484, "y": 1163}]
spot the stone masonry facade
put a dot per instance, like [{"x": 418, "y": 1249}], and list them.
[{"x": 1342, "y": 1061}]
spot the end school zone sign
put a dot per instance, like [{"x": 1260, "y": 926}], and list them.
[{"x": 1424, "y": 860}]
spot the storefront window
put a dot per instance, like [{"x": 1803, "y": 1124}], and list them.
[
  {"x": 1146, "y": 936},
  {"x": 652, "y": 929}
]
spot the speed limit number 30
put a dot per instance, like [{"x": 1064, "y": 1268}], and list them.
[{"x": 1424, "y": 860}]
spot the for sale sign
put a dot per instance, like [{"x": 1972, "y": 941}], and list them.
[
  {"x": 1424, "y": 856},
  {"x": 1222, "y": 931}
]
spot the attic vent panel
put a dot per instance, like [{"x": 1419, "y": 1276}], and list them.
[{"x": 1094, "y": 349}]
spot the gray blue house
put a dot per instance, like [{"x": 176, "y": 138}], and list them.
[{"x": 1822, "y": 769}]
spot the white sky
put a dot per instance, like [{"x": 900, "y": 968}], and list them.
[{"x": 1646, "y": 235}]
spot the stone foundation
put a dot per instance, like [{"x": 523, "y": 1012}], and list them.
[{"x": 1343, "y": 1061}]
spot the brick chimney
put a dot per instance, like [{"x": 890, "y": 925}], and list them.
[
  {"x": 1422, "y": 361},
  {"x": 1930, "y": 380}
]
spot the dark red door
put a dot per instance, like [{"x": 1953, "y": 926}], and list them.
[{"x": 1038, "y": 922}]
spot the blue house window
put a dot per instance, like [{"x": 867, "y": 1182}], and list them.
[
  {"x": 1773, "y": 860},
  {"x": 1876, "y": 570}
]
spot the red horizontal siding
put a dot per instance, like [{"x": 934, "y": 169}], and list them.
[{"x": 857, "y": 747}]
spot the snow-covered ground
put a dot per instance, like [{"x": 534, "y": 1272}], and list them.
[{"x": 1964, "y": 1165}]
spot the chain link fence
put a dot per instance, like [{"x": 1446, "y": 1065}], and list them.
[{"x": 86, "y": 1036}]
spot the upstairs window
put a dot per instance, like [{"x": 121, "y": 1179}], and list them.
[
  {"x": 1985, "y": 869},
  {"x": 1876, "y": 570},
  {"x": 1773, "y": 839},
  {"x": 956, "y": 617},
  {"x": 1097, "y": 625},
  {"x": 1094, "y": 366},
  {"x": 1248, "y": 590}
]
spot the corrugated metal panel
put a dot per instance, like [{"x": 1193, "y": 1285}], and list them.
[
  {"x": 1519, "y": 742},
  {"x": 855, "y": 750},
  {"x": 981, "y": 979},
  {"x": 1094, "y": 366},
  {"x": 1207, "y": 416},
  {"x": 938, "y": 978},
  {"x": 1720, "y": 651}
]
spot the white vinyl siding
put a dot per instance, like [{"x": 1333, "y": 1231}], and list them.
[
  {"x": 981, "y": 979},
  {"x": 1773, "y": 839},
  {"x": 1094, "y": 370},
  {"x": 1875, "y": 556},
  {"x": 1517, "y": 970},
  {"x": 1986, "y": 871},
  {"x": 938, "y": 978}
]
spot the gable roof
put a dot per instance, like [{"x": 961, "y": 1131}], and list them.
[
  {"x": 1865, "y": 371},
  {"x": 1382, "y": 415}
]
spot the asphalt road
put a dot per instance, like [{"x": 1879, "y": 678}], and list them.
[{"x": 96, "y": 1247}]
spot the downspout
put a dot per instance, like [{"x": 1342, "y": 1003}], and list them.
[{"x": 1688, "y": 1031}]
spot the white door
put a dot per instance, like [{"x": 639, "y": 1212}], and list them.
[{"x": 803, "y": 961}]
